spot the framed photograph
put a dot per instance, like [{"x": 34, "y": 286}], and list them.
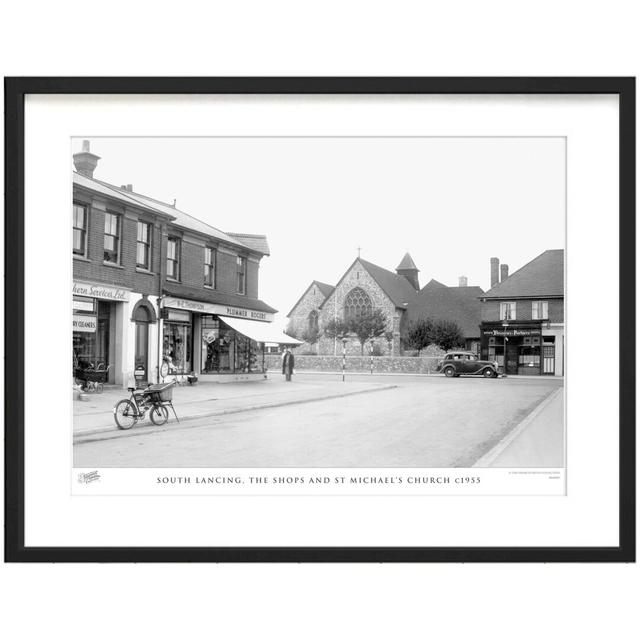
[{"x": 320, "y": 319}]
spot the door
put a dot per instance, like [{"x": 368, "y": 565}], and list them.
[
  {"x": 512, "y": 359},
  {"x": 548, "y": 359},
  {"x": 141, "y": 364}
]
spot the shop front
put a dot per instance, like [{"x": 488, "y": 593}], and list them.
[
  {"x": 97, "y": 309},
  {"x": 519, "y": 348},
  {"x": 215, "y": 341}
]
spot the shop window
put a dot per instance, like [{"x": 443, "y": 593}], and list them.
[
  {"x": 209, "y": 267},
  {"x": 241, "y": 264},
  {"x": 357, "y": 304},
  {"x": 111, "y": 238},
  {"x": 143, "y": 246},
  {"x": 79, "y": 230},
  {"x": 173, "y": 258},
  {"x": 177, "y": 347},
  {"x": 507, "y": 311},
  {"x": 539, "y": 310}
]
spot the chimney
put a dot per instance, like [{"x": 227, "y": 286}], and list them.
[
  {"x": 462, "y": 281},
  {"x": 85, "y": 162},
  {"x": 495, "y": 279},
  {"x": 408, "y": 269},
  {"x": 504, "y": 272}
]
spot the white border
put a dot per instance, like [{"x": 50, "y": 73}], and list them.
[{"x": 587, "y": 516}]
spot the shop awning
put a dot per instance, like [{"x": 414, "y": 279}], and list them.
[{"x": 259, "y": 331}]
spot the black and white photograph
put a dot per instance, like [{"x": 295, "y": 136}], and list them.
[{"x": 376, "y": 303}]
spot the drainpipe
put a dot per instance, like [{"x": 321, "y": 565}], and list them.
[{"x": 161, "y": 279}]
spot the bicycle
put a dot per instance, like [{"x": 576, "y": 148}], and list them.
[{"x": 155, "y": 399}]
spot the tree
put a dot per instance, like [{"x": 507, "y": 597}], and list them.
[
  {"x": 388, "y": 336},
  {"x": 336, "y": 328},
  {"x": 448, "y": 335},
  {"x": 311, "y": 335},
  {"x": 291, "y": 330},
  {"x": 420, "y": 334},
  {"x": 369, "y": 326}
]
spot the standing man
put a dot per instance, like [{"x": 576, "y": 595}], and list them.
[{"x": 287, "y": 364}]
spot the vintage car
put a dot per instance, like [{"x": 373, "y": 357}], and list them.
[{"x": 466, "y": 363}]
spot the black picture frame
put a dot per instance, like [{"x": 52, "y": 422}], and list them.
[{"x": 15, "y": 91}]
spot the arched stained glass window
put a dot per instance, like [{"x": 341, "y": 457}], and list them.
[
  {"x": 313, "y": 320},
  {"x": 356, "y": 304}
]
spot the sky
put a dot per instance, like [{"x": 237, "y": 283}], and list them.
[{"x": 452, "y": 203}]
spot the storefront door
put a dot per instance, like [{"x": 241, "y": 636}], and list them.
[
  {"x": 512, "y": 358},
  {"x": 141, "y": 364}
]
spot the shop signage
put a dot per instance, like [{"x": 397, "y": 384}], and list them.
[
  {"x": 101, "y": 291},
  {"x": 217, "y": 309},
  {"x": 88, "y": 324},
  {"x": 179, "y": 316},
  {"x": 512, "y": 332},
  {"x": 83, "y": 304}
]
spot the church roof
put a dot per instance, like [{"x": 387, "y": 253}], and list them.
[
  {"x": 459, "y": 304},
  {"x": 542, "y": 277},
  {"x": 325, "y": 289},
  {"x": 433, "y": 284},
  {"x": 397, "y": 287},
  {"x": 407, "y": 263}
]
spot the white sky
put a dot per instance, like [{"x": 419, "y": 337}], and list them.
[{"x": 452, "y": 203}]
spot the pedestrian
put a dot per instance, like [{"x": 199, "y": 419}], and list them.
[{"x": 287, "y": 364}]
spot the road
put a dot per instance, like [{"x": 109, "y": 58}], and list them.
[{"x": 423, "y": 422}]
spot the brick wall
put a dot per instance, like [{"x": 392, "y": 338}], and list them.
[
  {"x": 490, "y": 310},
  {"x": 125, "y": 274},
  {"x": 357, "y": 364}
]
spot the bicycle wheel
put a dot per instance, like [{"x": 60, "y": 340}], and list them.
[
  {"x": 159, "y": 414},
  {"x": 125, "y": 414}
]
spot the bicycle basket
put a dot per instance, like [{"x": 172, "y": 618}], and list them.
[{"x": 160, "y": 392}]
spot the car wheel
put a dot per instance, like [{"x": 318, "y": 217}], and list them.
[
  {"x": 489, "y": 373},
  {"x": 449, "y": 372}
]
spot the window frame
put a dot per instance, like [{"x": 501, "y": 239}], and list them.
[
  {"x": 241, "y": 270},
  {"x": 176, "y": 260},
  {"x": 503, "y": 308},
  {"x": 84, "y": 230},
  {"x": 535, "y": 306},
  {"x": 148, "y": 244},
  {"x": 212, "y": 267},
  {"x": 118, "y": 237}
]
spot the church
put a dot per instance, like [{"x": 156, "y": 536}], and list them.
[{"x": 366, "y": 286}]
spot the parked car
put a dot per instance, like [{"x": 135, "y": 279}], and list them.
[{"x": 466, "y": 363}]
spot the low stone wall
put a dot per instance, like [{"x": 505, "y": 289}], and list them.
[{"x": 381, "y": 364}]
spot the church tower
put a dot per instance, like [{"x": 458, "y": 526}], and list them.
[{"x": 408, "y": 269}]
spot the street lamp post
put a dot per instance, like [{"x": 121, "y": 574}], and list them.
[
  {"x": 505, "y": 326},
  {"x": 371, "y": 352},
  {"x": 344, "y": 354}
]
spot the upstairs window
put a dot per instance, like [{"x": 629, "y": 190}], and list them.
[
  {"x": 313, "y": 320},
  {"x": 209, "y": 267},
  {"x": 112, "y": 238},
  {"x": 539, "y": 310},
  {"x": 79, "y": 230},
  {"x": 507, "y": 311},
  {"x": 241, "y": 265},
  {"x": 357, "y": 304},
  {"x": 143, "y": 246},
  {"x": 173, "y": 258}
]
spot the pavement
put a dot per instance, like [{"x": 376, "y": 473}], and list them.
[
  {"x": 319, "y": 421},
  {"x": 209, "y": 399}
]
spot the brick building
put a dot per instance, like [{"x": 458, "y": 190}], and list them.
[
  {"x": 157, "y": 292},
  {"x": 366, "y": 286},
  {"x": 523, "y": 316}
]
